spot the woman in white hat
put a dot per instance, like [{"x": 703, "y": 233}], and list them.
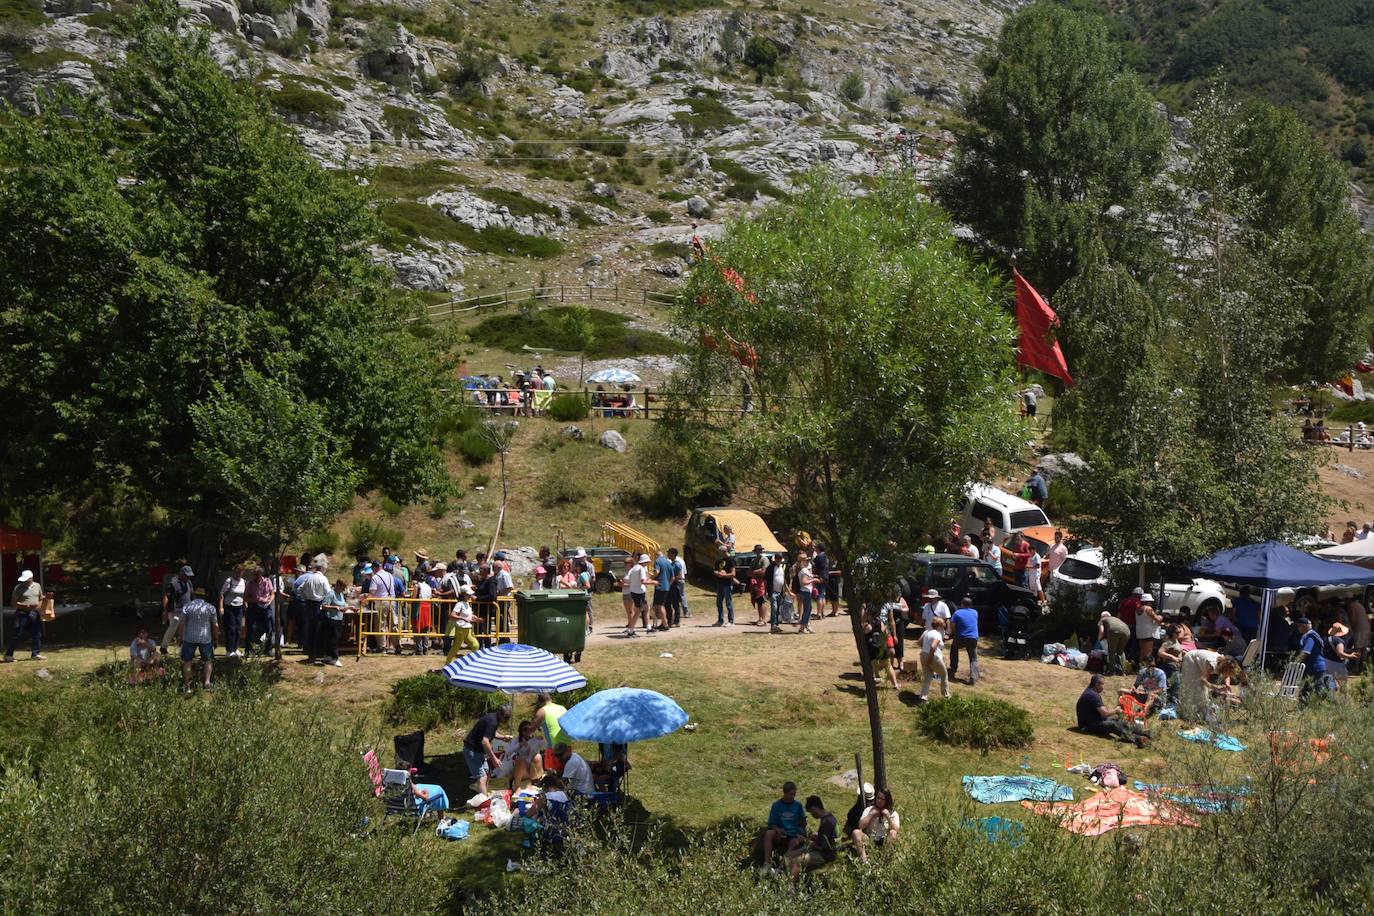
[{"x": 1147, "y": 625}]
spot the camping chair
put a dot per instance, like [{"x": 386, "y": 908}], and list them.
[
  {"x": 398, "y": 796},
  {"x": 1132, "y": 709},
  {"x": 1291, "y": 685},
  {"x": 1247, "y": 661}
]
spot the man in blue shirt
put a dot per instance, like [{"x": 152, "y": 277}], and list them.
[
  {"x": 1313, "y": 650},
  {"x": 786, "y": 824},
  {"x": 965, "y": 621},
  {"x": 663, "y": 590}
]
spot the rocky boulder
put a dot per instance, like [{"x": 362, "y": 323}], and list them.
[
  {"x": 401, "y": 60},
  {"x": 613, "y": 440}
]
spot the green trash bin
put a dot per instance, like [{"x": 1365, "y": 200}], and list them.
[{"x": 554, "y": 620}]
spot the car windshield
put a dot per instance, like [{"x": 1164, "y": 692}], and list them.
[
  {"x": 1028, "y": 518},
  {"x": 1079, "y": 569}
]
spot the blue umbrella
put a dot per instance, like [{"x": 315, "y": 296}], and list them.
[
  {"x": 513, "y": 668},
  {"x": 613, "y": 377},
  {"x": 621, "y": 715}
]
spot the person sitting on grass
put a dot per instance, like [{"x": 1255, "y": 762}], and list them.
[
  {"x": 1151, "y": 686},
  {"x": 856, "y": 810},
  {"x": 879, "y": 824},
  {"x": 577, "y": 775},
  {"x": 821, "y": 850},
  {"x": 524, "y": 754},
  {"x": 145, "y": 661},
  {"x": 1095, "y": 719},
  {"x": 786, "y": 825}
]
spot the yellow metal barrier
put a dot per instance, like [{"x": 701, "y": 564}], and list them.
[
  {"x": 615, "y": 534},
  {"x": 396, "y": 618}
]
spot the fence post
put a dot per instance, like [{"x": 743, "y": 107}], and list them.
[
  {"x": 560, "y": 293},
  {"x": 646, "y": 402}
]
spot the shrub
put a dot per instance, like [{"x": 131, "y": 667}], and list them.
[
  {"x": 613, "y": 336},
  {"x": 390, "y": 507},
  {"x": 1353, "y": 412},
  {"x": 480, "y": 480},
  {"x": 707, "y": 114},
  {"x": 561, "y": 486},
  {"x": 322, "y": 541},
  {"x": 402, "y": 122},
  {"x": 852, "y": 88},
  {"x": 303, "y": 102},
  {"x": 761, "y": 56},
  {"x": 893, "y": 100},
  {"x": 744, "y": 184},
  {"x": 257, "y": 808},
  {"x": 979, "y": 722},
  {"x": 658, "y": 214},
  {"x": 475, "y": 447},
  {"x": 568, "y": 407},
  {"x": 366, "y": 535},
  {"x": 428, "y": 700}
]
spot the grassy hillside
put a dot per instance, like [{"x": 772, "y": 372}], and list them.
[{"x": 1315, "y": 56}]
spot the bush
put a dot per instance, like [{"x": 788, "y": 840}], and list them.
[
  {"x": 1352, "y": 412},
  {"x": 979, "y": 722},
  {"x": 429, "y": 700},
  {"x": 366, "y": 535},
  {"x": 560, "y": 486},
  {"x": 255, "y": 809},
  {"x": 322, "y": 541},
  {"x": 852, "y": 88},
  {"x": 567, "y": 407},
  {"x": 761, "y": 56},
  {"x": 893, "y": 100},
  {"x": 614, "y": 337},
  {"x": 476, "y": 448}
]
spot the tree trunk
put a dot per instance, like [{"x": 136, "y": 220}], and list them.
[
  {"x": 875, "y": 716},
  {"x": 203, "y": 542}
]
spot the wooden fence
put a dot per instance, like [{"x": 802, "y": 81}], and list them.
[{"x": 547, "y": 295}]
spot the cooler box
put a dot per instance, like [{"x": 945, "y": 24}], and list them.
[{"x": 554, "y": 620}]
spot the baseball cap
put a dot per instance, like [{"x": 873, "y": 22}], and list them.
[
  {"x": 440, "y": 567},
  {"x": 187, "y": 571},
  {"x": 1302, "y": 620},
  {"x": 26, "y": 575}
]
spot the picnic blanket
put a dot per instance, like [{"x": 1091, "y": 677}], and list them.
[
  {"x": 1218, "y": 740},
  {"x": 991, "y": 790},
  {"x": 1120, "y": 807},
  {"x": 998, "y": 830},
  {"x": 1205, "y": 798}
]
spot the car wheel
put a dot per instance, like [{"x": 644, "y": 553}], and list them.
[
  {"x": 603, "y": 584},
  {"x": 1210, "y": 604},
  {"x": 689, "y": 560},
  {"x": 1306, "y": 603}
]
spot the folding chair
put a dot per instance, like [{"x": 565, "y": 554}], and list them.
[
  {"x": 1247, "y": 661},
  {"x": 1291, "y": 685},
  {"x": 1132, "y": 709},
  {"x": 398, "y": 797}
]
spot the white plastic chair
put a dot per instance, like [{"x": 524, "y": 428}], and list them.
[{"x": 1291, "y": 685}]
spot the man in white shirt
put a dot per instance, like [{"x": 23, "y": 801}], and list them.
[
  {"x": 935, "y": 609},
  {"x": 313, "y": 589},
  {"x": 933, "y": 659},
  {"x": 1058, "y": 552},
  {"x": 381, "y": 587},
  {"x": 636, "y": 605},
  {"x": 576, "y": 773}
]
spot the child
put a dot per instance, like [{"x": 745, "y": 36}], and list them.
[
  {"x": 460, "y": 625},
  {"x": 424, "y": 591},
  {"x": 144, "y": 659}
]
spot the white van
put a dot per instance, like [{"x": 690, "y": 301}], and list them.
[{"x": 1007, "y": 512}]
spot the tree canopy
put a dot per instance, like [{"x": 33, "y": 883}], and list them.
[
  {"x": 177, "y": 247},
  {"x": 1059, "y": 132},
  {"x": 880, "y": 359}
]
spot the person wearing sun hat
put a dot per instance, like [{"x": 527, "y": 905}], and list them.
[
  {"x": 935, "y": 608},
  {"x": 27, "y": 619}
]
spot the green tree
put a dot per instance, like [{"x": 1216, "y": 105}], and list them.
[
  {"x": 882, "y": 352},
  {"x": 581, "y": 330},
  {"x": 761, "y": 56},
  {"x": 852, "y": 88},
  {"x": 180, "y": 238},
  {"x": 893, "y": 100},
  {"x": 1058, "y": 134}
]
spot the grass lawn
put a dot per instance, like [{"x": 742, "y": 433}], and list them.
[{"x": 767, "y": 709}]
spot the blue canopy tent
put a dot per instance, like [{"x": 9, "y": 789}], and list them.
[{"x": 1270, "y": 566}]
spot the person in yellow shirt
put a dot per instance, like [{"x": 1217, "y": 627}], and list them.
[{"x": 546, "y": 717}]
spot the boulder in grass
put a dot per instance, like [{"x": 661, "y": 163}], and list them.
[{"x": 613, "y": 440}]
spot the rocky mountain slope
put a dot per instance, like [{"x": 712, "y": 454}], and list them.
[{"x": 567, "y": 141}]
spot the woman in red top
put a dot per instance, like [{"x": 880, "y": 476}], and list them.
[{"x": 1021, "y": 554}]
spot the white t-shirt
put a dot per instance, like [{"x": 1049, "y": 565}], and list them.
[
  {"x": 634, "y": 580},
  {"x": 461, "y": 615},
  {"x": 423, "y": 591},
  {"x": 578, "y": 775},
  {"x": 1034, "y": 563},
  {"x": 779, "y": 578},
  {"x": 995, "y": 557},
  {"x": 143, "y": 653},
  {"x": 934, "y": 609},
  {"x": 932, "y": 644},
  {"x": 232, "y": 591},
  {"x": 1057, "y": 555},
  {"x": 504, "y": 583},
  {"x": 971, "y": 551},
  {"x": 880, "y": 825}
]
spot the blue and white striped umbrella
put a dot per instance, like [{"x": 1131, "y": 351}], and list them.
[
  {"x": 613, "y": 377},
  {"x": 513, "y": 668}
]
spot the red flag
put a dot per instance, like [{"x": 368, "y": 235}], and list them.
[{"x": 1036, "y": 348}]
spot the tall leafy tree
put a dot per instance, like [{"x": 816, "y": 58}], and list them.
[
  {"x": 157, "y": 251},
  {"x": 881, "y": 363},
  {"x": 1059, "y": 133}
]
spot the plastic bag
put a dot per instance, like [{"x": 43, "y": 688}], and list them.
[{"x": 453, "y": 829}]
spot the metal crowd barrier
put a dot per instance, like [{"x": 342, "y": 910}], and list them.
[{"x": 494, "y": 622}]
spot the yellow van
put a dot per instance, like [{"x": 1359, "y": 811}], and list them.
[{"x": 706, "y": 527}]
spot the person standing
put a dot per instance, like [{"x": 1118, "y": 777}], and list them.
[
  {"x": 1148, "y": 624},
  {"x": 933, "y": 659},
  {"x": 676, "y": 584},
  {"x": 663, "y": 590},
  {"x": 313, "y": 590},
  {"x": 477, "y": 749},
  {"x": 820, "y": 569},
  {"x": 1195, "y": 670},
  {"x": 725, "y": 586},
  {"x": 1313, "y": 649},
  {"x": 775, "y": 586},
  {"x": 27, "y": 599},
  {"x": 423, "y": 591},
  {"x": 680, "y": 579},
  {"x": 1039, "y": 489},
  {"x": 178, "y": 592},
  {"x": 632, "y": 594},
  {"x": 331, "y": 625},
  {"x": 1021, "y": 559},
  {"x": 1029, "y": 404},
  {"x": 1057, "y": 554},
  {"x": 1113, "y": 632},
  {"x": 262, "y": 598},
  {"x": 1358, "y": 618},
  {"x": 964, "y": 622},
  {"x": 459, "y": 633},
  {"x": 197, "y": 630},
  {"x": 935, "y": 609},
  {"x": 232, "y": 607}
]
